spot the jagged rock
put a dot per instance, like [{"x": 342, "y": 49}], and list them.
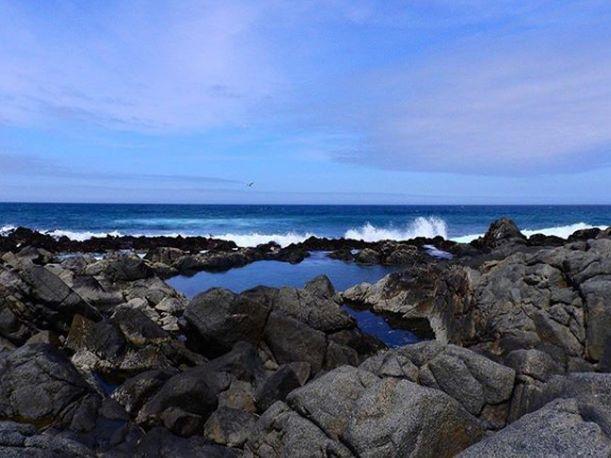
[
  {"x": 384, "y": 417},
  {"x": 477, "y": 383},
  {"x": 242, "y": 362},
  {"x": 221, "y": 318},
  {"x": 558, "y": 429},
  {"x": 230, "y": 427},
  {"x": 276, "y": 387},
  {"x": 501, "y": 232},
  {"x": 343, "y": 254},
  {"x": 289, "y": 340},
  {"x": 127, "y": 268},
  {"x": 592, "y": 391},
  {"x": 281, "y": 432},
  {"x": 137, "y": 328},
  {"x": 399, "y": 418},
  {"x": 164, "y": 255},
  {"x": 59, "y": 301},
  {"x": 19, "y": 440},
  {"x": 39, "y": 385},
  {"x": 46, "y": 337},
  {"x": 194, "y": 391},
  {"x": 367, "y": 256},
  {"x": 134, "y": 392},
  {"x": 160, "y": 443},
  {"x": 240, "y": 395}
]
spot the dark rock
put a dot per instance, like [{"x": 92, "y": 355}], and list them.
[
  {"x": 287, "y": 378},
  {"x": 20, "y": 440},
  {"x": 137, "y": 328},
  {"x": 127, "y": 268},
  {"x": 367, "y": 256},
  {"x": 221, "y": 318},
  {"x": 242, "y": 362},
  {"x": 160, "y": 443},
  {"x": 194, "y": 391},
  {"x": 289, "y": 340},
  {"x": 45, "y": 337},
  {"x": 181, "y": 422},
  {"x": 134, "y": 392},
  {"x": 281, "y": 432},
  {"x": 60, "y": 301},
  {"x": 230, "y": 427},
  {"x": 343, "y": 254},
  {"x": 39, "y": 385},
  {"x": 501, "y": 232}
]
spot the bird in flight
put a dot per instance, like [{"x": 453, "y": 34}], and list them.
[{"x": 250, "y": 185}]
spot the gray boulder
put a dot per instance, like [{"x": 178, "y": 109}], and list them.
[{"x": 559, "y": 429}]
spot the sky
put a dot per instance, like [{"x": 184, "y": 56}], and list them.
[{"x": 334, "y": 101}]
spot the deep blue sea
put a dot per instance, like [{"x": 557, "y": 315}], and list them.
[{"x": 253, "y": 224}]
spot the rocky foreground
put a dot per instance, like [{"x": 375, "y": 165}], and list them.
[{"x": 100, "y": 357}]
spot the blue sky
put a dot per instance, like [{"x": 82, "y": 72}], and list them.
[{"x": 399, "y": 102}]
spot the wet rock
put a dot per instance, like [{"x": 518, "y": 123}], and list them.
[
  {"x": 501, "y": 232},
  {"x": 367, "y": 256},
  {"x": 344, "y": 254}
]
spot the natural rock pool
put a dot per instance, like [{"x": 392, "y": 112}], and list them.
[{"x": 277, "y": 274}]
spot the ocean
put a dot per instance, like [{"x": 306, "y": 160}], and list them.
[{"x": 250, "y": 225}]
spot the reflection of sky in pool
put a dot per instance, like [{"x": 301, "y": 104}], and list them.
[{"x": 274, "y": 273}]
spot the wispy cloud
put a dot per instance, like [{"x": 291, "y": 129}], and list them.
[
  {"x": 133, "y": 65},
  {"x": 463, "y": 86}
]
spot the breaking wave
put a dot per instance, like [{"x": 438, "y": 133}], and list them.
[{"x": 421, "y": 227}]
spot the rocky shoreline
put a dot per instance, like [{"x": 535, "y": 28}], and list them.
[{"x": 100, "y": 357}]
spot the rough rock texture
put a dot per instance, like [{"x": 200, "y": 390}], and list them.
[
  {"x": 100, "y": 357},
  {"x": 296, "y": 325},
  {"x": 350, "y": 410},
  {"x": 555, "y": 300},
  {"x": 558, "y": 429}
]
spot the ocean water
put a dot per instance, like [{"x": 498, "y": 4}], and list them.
[{"x": 250, "y": 225}]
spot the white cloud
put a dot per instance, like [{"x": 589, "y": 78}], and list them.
[{"x": 170, "y": 67}]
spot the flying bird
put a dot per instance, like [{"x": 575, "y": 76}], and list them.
[{"x": 250, "y": 184}]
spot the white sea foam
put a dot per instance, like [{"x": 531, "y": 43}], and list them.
[
  {"x": 255, "y": 238},
  {"x": 80, "y": 235},
  {"x": 4, "y": 230},
  {"x": 558, "y": 231},
  {"x": 421, "y": 227}
]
